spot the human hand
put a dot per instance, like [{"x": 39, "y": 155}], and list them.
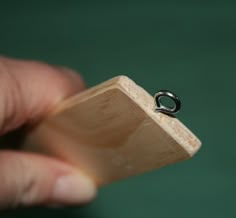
[{"x": 28, "y": 90}]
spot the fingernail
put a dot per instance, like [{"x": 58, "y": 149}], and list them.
[
  {"x": 73, "y": 189},
  {"x": 75, "y": 76}
]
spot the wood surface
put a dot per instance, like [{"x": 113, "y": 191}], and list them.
[{"x": 111, "y": 132}]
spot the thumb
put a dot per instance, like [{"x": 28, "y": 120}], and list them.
[{"x": 28, "y": 179}]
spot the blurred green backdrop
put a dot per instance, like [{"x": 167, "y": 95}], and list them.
[{"x": 187, "y": 47}]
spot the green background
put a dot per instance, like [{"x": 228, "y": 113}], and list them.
[{"x": 187, "y": 47}]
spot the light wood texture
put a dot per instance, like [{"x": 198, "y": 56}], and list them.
[{"x": 111, "y": 132}]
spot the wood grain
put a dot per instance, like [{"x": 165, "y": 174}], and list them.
[{"x": 111, "y": 132}]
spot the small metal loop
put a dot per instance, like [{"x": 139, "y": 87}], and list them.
[{"x": 164, "y": 109}]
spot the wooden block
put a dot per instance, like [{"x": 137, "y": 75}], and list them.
[{"x": 111, "y": 132}]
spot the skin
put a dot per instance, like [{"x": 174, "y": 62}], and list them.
[{"x": 28, "y": 90}]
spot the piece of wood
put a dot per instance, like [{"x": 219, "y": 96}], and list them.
[{"x": 111, "y": 132}]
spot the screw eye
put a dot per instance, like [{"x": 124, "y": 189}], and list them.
[{"x": 167, "y": 109}]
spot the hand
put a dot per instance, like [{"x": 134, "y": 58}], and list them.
[{"x": 28, "y": 90}]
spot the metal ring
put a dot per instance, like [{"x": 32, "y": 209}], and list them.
[{"x": 164, "y": 109}]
